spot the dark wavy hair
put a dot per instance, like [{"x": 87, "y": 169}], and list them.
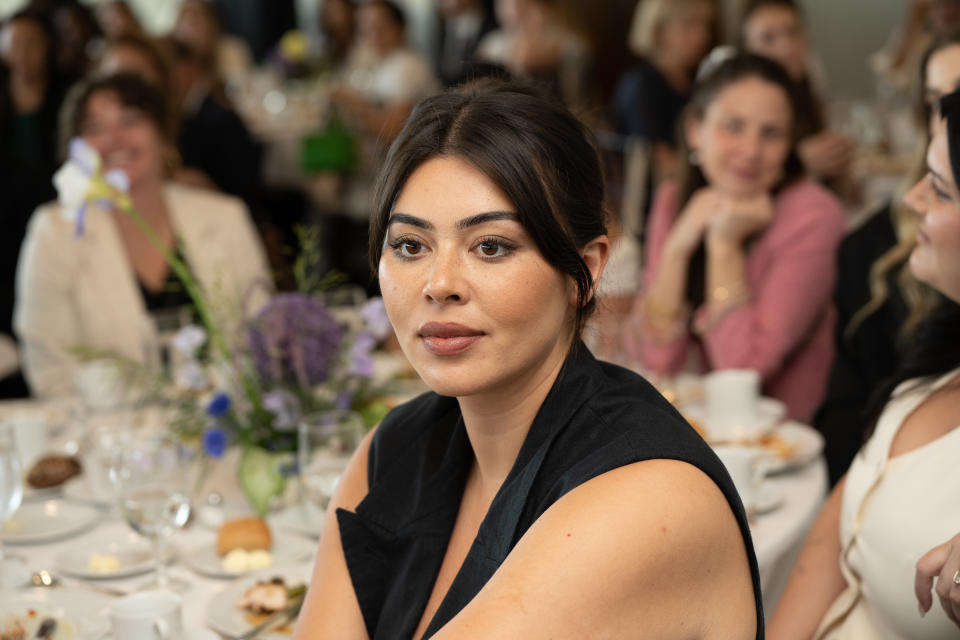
[
  {"x": 935, "y": 347},
  {"x": 526, "y": 143}
]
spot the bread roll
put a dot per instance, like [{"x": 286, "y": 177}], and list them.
[{"x": 249, "y": 534}]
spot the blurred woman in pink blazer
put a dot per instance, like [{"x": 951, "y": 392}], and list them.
[{"x": 740, "y": 257}]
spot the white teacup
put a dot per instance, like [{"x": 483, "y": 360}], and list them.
[
  {"x": 731, "y": 403},
  {"x": 147, "y": 615},
  {"x": 747, "y": 467}
]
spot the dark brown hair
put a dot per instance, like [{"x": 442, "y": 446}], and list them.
[
  {"x": 530, "y": 146},
  {"x": 130, "y": 90}
]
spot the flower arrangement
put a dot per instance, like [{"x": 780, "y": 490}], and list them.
[{"x": 297, "y": 355}]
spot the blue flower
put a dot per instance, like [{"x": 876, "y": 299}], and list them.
[
  {"x": 214, "y": 441},
  {"x": 219, "y": 405},
  {"x": 344, "y": 400},
  {"x": 289, "y": 469}
]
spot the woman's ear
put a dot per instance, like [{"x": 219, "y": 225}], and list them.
[{"x": 595, "y": 255}]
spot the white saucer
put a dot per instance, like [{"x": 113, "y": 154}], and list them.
[
  {"x": 134, "y": 554},
  {"x": 769, "y": 499},
  {"x": 303, "y": 518},
  {"x": 287, "y": 549},
  {"x": 37, "y": 522},
  {"x": 200, "y": 633}
]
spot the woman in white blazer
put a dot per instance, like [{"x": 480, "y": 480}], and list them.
[{"x": 92, "y": 289}]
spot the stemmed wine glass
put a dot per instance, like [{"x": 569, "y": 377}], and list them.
[
  {"x": 12, "y": 568},
  {"x": 325, "y": 442},
  {"x": 153, "y": 478}
]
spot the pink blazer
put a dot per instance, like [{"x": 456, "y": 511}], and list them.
[{"x": 785, "y": 331}]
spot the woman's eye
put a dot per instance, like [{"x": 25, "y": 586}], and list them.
[
  {"x": 406, "y": 247},
  {"x": 733, "y": 126},
  {"x": 494, "y": 248}
]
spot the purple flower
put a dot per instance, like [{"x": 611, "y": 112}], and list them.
[
  {"x": 344, "y": 400},
  {"x": 294, "y": 340},
  {"x": 375, "y": 317},
  {"x": 214, "y": 441},
  {"x": 285, "y": 408},
  {"x": 219, "y": 405}
]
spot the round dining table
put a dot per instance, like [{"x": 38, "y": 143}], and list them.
[{"x": 778, "y": 532}]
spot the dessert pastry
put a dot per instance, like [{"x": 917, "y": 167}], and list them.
[
  {"x": 52, "y": 471},
  {"x": 249, "y": 534},
  {"x": 270, "y": 596}
]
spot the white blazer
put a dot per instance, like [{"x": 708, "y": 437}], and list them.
[{"x": 82, "y": 292}]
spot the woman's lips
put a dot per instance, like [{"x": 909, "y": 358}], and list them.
[{"x": 448, "y": 339}]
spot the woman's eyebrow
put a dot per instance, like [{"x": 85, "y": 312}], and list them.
[
  {"x": 489, "y": 216},
  {"x": 413, "y": 221},
  {"x": 472, "y": 221}
]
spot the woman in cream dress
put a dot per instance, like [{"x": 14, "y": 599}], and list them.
[
  {"x": 95, "y": 290},
  {"x": 855, "y": 575}
]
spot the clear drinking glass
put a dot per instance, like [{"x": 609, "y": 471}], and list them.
[
  {"x": 325, "y": 442},
  {"x": 153, "y": 479},
  {"x": 11, "y": 495}
]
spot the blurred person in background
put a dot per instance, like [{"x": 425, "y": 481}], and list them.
[
  {"x": 775, "y": 29},
  {"x": 924, "y": 21},
  {"x": 740, "y": 254},
  {"x": 338, "y": 26},
  {"x": 879, "y": 301},
  {"x": 461, "y": 25},
  {"x": 212, "y": 139},
  {"x": 102, "y": 289},
  {"x": 115, "y": 17},
  {"x": 671, "y": 37},
  {"x": 31, "y": 91},
  {"x": 139, "y": 55},
  {"x": 868, "y": 554},
  {"x": 77, "y": 37},
  {"x": 398, "y": 77},
  {"x": 533, "y": 41},
  {"x": 198, "y": 26}
]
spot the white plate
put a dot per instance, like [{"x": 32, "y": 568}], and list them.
[
  {"x": 305, "y": 519},
  {"x": 133, "y": 552},
  {"x": 78, "y": 489},
  {"x": 770, "y": 412},
  {"x": 224, "y": 617},
  {"x": 36, "y": 522},
  {"x": 768, "y": 499},
  {"x": 793, "y": 445},
  {"x": 287, "y": 549},
  {"x": 188, "y": 634},
  {"x": 80, "y": 614}
]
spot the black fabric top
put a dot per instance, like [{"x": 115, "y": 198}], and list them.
[
  {"x": 871, "y": 354},
  {"x": 172, "y": 295},
  {"x": 597, "y": 417},
  {"x": 646, "y": 106}
]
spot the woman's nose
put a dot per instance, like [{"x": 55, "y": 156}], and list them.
[
  {"x": 445, "y": 283},
  {"x": 916, "y": 198}
]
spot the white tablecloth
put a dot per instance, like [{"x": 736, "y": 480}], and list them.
[{"x": 777, "y": 535}]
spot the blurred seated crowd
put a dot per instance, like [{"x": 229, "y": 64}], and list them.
[{"x": 745, "y": 255}]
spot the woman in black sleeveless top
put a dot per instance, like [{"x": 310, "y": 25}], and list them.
[{"x": 536, "y": 493}]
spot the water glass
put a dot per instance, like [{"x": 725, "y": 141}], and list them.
[
  {"x": 325, "y": 442},
  {"x": 153, "y": 479},
  {"x": 11, "y": 495}
]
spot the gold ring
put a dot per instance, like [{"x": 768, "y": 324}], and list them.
[{"x": 956, "y": 577}]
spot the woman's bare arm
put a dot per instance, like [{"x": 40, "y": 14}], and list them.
[
  {"x": 648, "y": 550},
  {"x": 815, "y": 581}
]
